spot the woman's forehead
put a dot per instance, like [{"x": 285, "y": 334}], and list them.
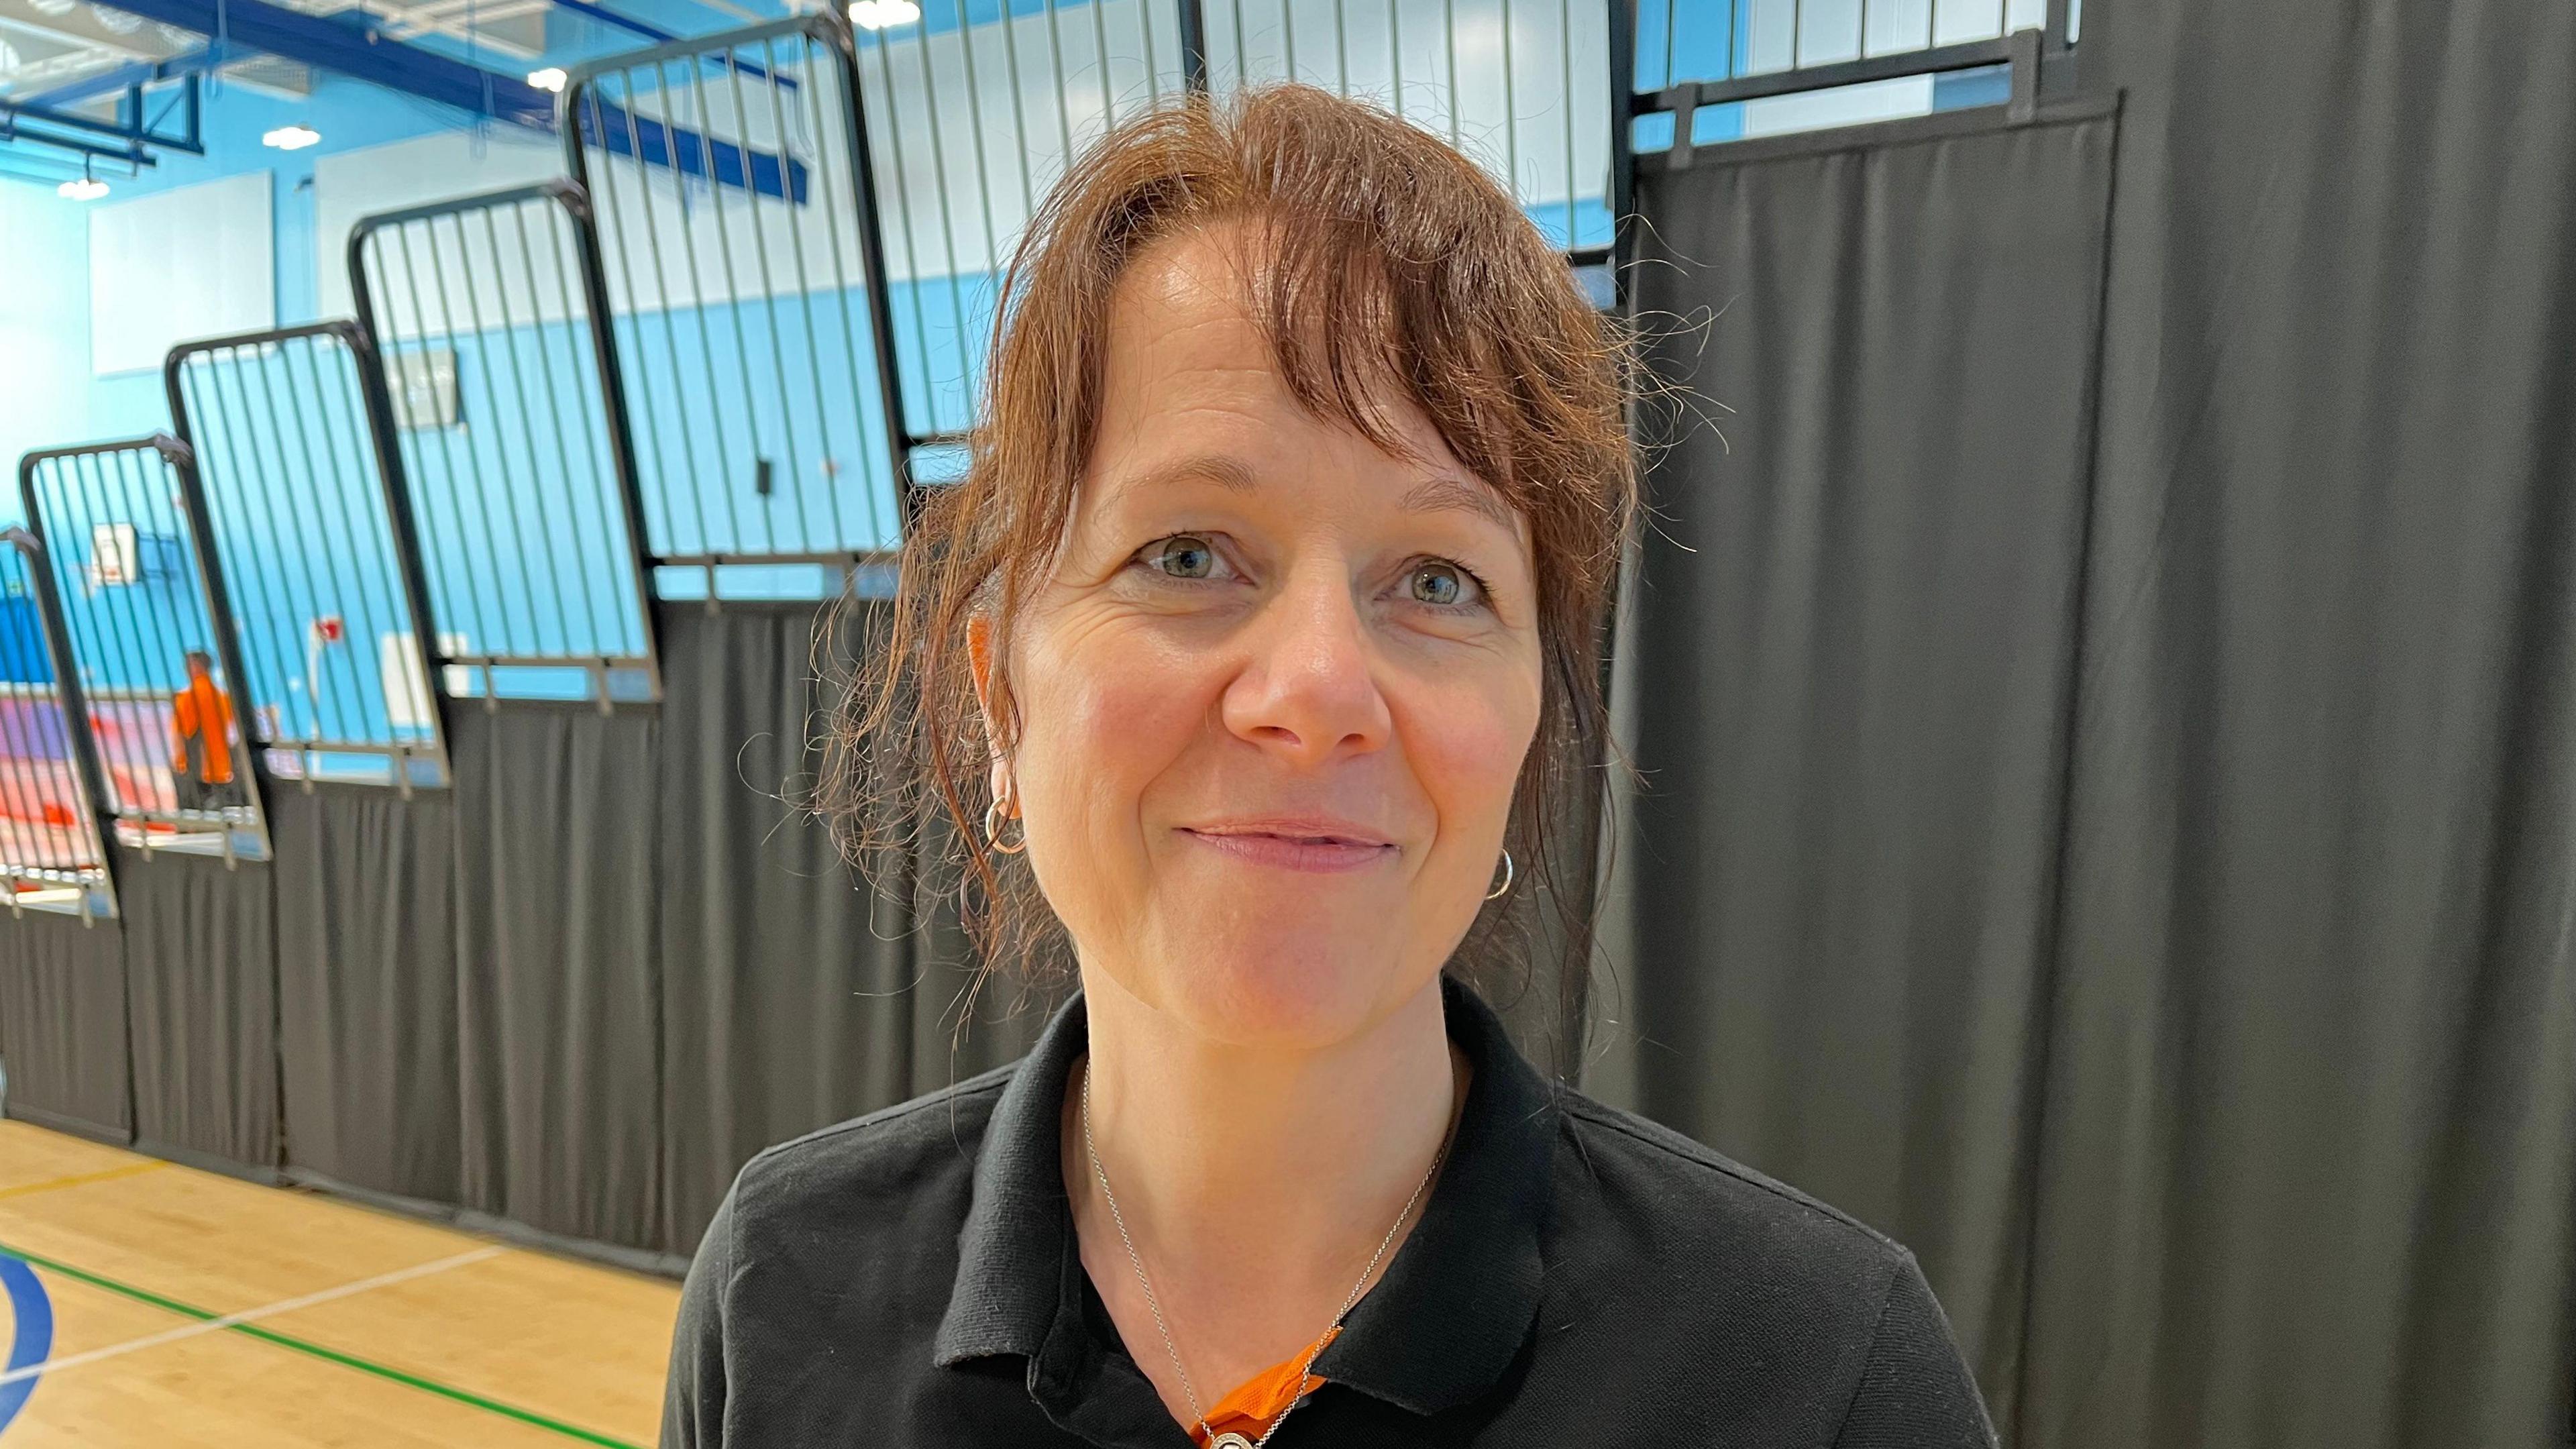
[
  {"x": 1185, "y": 349},
  {"x": 1184, "y": 304}
]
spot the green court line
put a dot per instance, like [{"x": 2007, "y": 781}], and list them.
[{"x": 329, "y": 1355}]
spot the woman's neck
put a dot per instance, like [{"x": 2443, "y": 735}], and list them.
[{"x": 1255, "y": 1184}]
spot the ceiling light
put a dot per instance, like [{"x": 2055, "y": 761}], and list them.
[
  {"x": 552, "y": 78},
  {"x": 290, "y": 138},
  {"x": 88, "y": 188},
  {"x": 882, "y": 14},
  {"x": 56, "y": 8},
  {"x": 115, "y": 21}
]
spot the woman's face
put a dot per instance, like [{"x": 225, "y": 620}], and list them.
[{"x": 1276, "y": 695}]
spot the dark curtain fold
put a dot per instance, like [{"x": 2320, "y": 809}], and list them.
[
  {"x": 558, "y": 982},
  {"x": 62, "y": 1024},
  {"x": 795, "y": 994},
  {"x": 1852, "y": 647},
  {"x": 367, "y": 996},
  {"x": 201, "y": 984},
  {"x": 2311, "y": 1141}
]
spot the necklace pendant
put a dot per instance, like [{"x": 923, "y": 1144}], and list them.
[{"x": 1230, "y": 1440}]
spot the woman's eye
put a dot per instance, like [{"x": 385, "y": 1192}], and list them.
[
  {"x": 1182, "y": 556},
  {"x": 1441, "y": 585}
]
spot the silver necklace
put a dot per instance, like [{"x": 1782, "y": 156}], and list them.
[{"x": 1230, "y": 1439}]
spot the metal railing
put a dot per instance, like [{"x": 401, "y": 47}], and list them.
[
  {"x": 970, "y": 122},
  {"x": 1522, "y": 86},
  {"x": 152, "y": 663},
  {"x": 973, "y": 119},
  {"x": 310, "y": 529},
  {"x": 53, "y": 854},
  {"x": 736, "y": 198},
  {"x": 1709, "y": 73},
  {"x": 1687, "y": 41},
  {"x": 513, "y": 442}
]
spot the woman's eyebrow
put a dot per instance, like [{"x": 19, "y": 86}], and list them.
[
  {"x": 1434, "y": 495},
  {"x": 1232, "y": 474},
  {"x": 1430, "y": 495}
]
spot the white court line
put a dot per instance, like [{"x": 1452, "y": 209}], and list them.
[{"x": 216, "y": 1325}]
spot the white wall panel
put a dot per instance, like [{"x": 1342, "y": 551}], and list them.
[{"x": 175, "y": 266}]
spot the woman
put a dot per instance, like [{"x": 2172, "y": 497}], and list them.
[{"x": 1251, "y": 659}]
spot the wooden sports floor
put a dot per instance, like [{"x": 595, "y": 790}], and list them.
[{"x": 147, "y": 1304}]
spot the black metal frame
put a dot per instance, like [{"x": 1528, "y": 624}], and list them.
[
  {"x": 574, "y": 201},
  {"x": 395, "y": 494},
  {"x": 181, "y": 462},
  {"x": 99, "y": 892},
  {"x": 1194, "y": 62},
  {"x": 831, "y": 31},
  {"x": 2039, "y": 59},
  {"x": 1623, "y": 149}
]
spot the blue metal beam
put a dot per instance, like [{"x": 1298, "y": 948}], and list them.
[
  {"x": 77, "y": 134},
  {"x": 129, "y": 140},
  {"x": 359, "y": 53},
  {"x": 622, "y": 133}
]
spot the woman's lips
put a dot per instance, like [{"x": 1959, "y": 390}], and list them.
[{"x": 1320, "y": 856}]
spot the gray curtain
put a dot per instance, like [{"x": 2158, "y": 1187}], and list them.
[
  {"x": 2310, "y": 1147},
  {"x": 62, "y": 1024},
  {"x": 201, "y": 986},
  {"x": 367, "y": 998},
  {"x": 2122, "y": 839},
  {"x": 558, "y": 986},
  {"x": 794, "y": 996},
  {"x": 1849, "y": 658}
]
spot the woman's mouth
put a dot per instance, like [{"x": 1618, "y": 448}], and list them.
[{"x": 1314, "y": 853}]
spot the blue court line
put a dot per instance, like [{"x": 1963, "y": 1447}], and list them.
[{"x": 35, "y": 1338}]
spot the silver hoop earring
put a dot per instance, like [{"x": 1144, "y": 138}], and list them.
[
  {"x": 993, "y": 823},
  {"x": 1507, "y": 878}
]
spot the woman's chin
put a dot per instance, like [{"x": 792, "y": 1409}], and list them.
[{"x": 1283, "y": 993}]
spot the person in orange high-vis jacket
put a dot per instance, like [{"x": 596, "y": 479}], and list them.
[{"x": 201, "y": 720}]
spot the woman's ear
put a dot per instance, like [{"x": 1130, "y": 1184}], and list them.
[{"x": 979, "y": 657}]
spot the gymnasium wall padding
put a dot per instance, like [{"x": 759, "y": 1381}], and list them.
[
  {"x": 366, "y": 984},
  {"x": 62, "y": 1024},
  {"x": 201, "y": 976},
  {"x": 1853, "y": 649},
  {"x": 795, "y": 993},
  {"x": 558, "y": 980}
]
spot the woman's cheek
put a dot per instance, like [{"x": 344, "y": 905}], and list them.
[
  {"x": 1137, "y": 688},
  {"x": 1118, "y": 708},
  {"x": 1470, "y": 745}
]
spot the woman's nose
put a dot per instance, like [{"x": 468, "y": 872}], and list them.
[{"x": 1308, "y": 689}]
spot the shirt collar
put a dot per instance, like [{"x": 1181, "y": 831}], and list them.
[{"x": 1440, "y": 1327}]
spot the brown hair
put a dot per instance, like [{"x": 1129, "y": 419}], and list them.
[{"x": 1392, "y": 266}]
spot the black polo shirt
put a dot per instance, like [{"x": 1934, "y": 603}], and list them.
[{"x": 1580, "y": 1277}]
